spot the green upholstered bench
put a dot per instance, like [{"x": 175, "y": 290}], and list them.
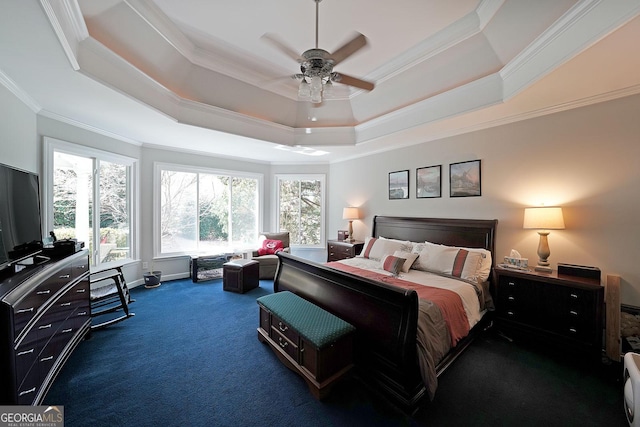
[{"x": 309, "y": 340}]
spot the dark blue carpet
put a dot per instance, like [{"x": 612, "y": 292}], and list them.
[{"x": 191, "y": 357}]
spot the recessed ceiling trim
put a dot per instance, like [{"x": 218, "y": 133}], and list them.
[
  {"x": 68, "y": 24},
  {"x": 581, "y": 27},
  {"x": 472, "y": 96}
]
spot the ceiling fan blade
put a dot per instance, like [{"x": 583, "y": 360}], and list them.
[
  {"x": 282, "y": 46},
  {"x": 349, "y": 48},
  {"x": 353, "y": 81}
]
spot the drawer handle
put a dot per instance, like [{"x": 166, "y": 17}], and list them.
[
  {"x": 44, "y": 326},
  {"x": 80, "y": 291},
  {"x": 82, "y": 313},
  {"x": 510, "y": 313},
  {"x": 573, "y": 330},
  {"x": 45, "y": 292},
  {"x": 64, "y": 276},
  {"x": 574, "y": 296},
  {"x": 573, "y": 312},
  {"x": 46, "y": 359},
  {"x": 511, "y": 298},
  {"x": 25, "y": 310},
  {"x": 65, "y": 304},
  {"x": 282, "y": 343},
  {"x": 27, "y": 391},
  {"x": 66, "y": 331},
  {"x": 22, "y": 353},
  {"x": 282, "y": 327},
  {"x": 511, "y": 283},
  {"x": 81, "y": 267}
]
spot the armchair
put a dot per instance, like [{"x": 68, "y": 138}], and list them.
[{"x": 268, "y": 264}]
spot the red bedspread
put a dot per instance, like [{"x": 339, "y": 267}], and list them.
[{"x": 449, "y": 302}]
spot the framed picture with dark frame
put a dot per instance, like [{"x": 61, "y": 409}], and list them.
[
  {"x": 399, "y": 185},
  {"x": 429, "y": 182},
  {"x": 464, "y": 179}
]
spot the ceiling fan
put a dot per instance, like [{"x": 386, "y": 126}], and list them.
[{"x": 316, "y": 65}]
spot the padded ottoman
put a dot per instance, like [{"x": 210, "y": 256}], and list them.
[{"x": 240, "y": 275}]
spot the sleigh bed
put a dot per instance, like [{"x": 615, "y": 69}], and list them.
[{"x": 390, "y": 319}]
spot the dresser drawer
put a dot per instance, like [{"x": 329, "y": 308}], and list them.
[{"x": 514, "y": 300}]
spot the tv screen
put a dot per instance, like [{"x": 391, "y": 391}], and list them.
[{"x": 20, "y": 232}]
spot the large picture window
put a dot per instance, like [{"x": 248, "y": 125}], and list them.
[
  {"x": 300, "y": 208},
  {"x": 89, "y": 197},
  {"x": 206, "y": 211}
]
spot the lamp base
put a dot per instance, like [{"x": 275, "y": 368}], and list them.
[{"x": 543, "y": 269}]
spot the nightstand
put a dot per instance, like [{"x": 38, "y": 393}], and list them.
[
  {"x": 342, "y": 249},
  {"x": 560, "y": 310}
]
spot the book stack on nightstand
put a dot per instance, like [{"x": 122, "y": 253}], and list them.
[{"x": 561, "y": 310}]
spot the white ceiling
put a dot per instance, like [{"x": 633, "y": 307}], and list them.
[{"x": 195, "y": 74}]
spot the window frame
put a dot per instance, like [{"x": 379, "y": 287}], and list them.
[
  {"x": 323, "y": 196},
  {"x": 158, "y": 167},
  {"x": 52, "y": 145}
]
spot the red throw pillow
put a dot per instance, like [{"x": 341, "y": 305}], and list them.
[{"x": 270, "y": 247}]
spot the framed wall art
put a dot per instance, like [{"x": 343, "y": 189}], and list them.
[
  {"x": 464, "y": 179},
  {"x": 399, "y": 185},
  {"x": 429, "y": 182}
]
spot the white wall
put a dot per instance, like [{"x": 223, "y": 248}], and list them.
[
  {"x": 18, "y": 137},
  {"x": 585, "y": 160}
]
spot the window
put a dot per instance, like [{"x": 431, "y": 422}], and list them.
[
  {"x": 89, "y": 196},
  {"x": 206, "y": 210},
  {"x": 300, "y": 208}
]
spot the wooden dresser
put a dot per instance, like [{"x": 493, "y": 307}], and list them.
[
  {"x": 44, "y": 313},
  {"x": 342, "y": 249},
  {"x": 563, "y": 311}
]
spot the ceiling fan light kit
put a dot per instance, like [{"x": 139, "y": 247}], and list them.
[{"x": 316, "y": 66}]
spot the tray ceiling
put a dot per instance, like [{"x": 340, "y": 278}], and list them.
[{"x": 195, "y": 75}]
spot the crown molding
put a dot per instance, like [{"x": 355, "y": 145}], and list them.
[
  {"x": 68, "y": 24},
  {"x": 23, "y": 96},
  {"x": 88, "y": 127},
  {"x": 582, "y": 26}
]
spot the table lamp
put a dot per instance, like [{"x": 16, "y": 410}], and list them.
[
  {"x": 543, "y": 219},
  {"x": 350, "y": 214}
]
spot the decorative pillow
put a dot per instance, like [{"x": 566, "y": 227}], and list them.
[
  {"x": 409, "y": 257},
  {"x": 451, "y": 260},
  {"x": 393, "y": 264},
  {"x": 377, "y": 248},
  {"x": 406, "y": 246},
  {"x": 270, "y": 247}
]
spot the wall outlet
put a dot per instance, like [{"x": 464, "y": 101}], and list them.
[{"x": 145, "y": 265}]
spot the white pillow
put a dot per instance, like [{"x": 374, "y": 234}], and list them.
[
  {"x": 422, "y": 262},
  {"x": 407, "y": 246},
  {"x": 410, "y": 258},
  {"x": 378, "y": 248},
  {"x": 450, "y": 260}
]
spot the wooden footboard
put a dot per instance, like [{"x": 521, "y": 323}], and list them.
[{"x": 385, "y": 318}]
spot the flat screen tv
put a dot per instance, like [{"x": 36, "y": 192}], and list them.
[{"x": 20, "y": 227}]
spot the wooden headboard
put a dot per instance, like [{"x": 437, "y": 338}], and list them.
[{"x": 469, "y": 233}]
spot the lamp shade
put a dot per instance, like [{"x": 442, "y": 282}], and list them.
[
  {"x": 543, "y": 218},
  {"x": 350, "y": 213}
]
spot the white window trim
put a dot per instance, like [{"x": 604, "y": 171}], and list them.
[
  {"x": 158, "y": 167},
  {"x": 276, "y": 202},
  {"x": 50, "y": 146}
]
